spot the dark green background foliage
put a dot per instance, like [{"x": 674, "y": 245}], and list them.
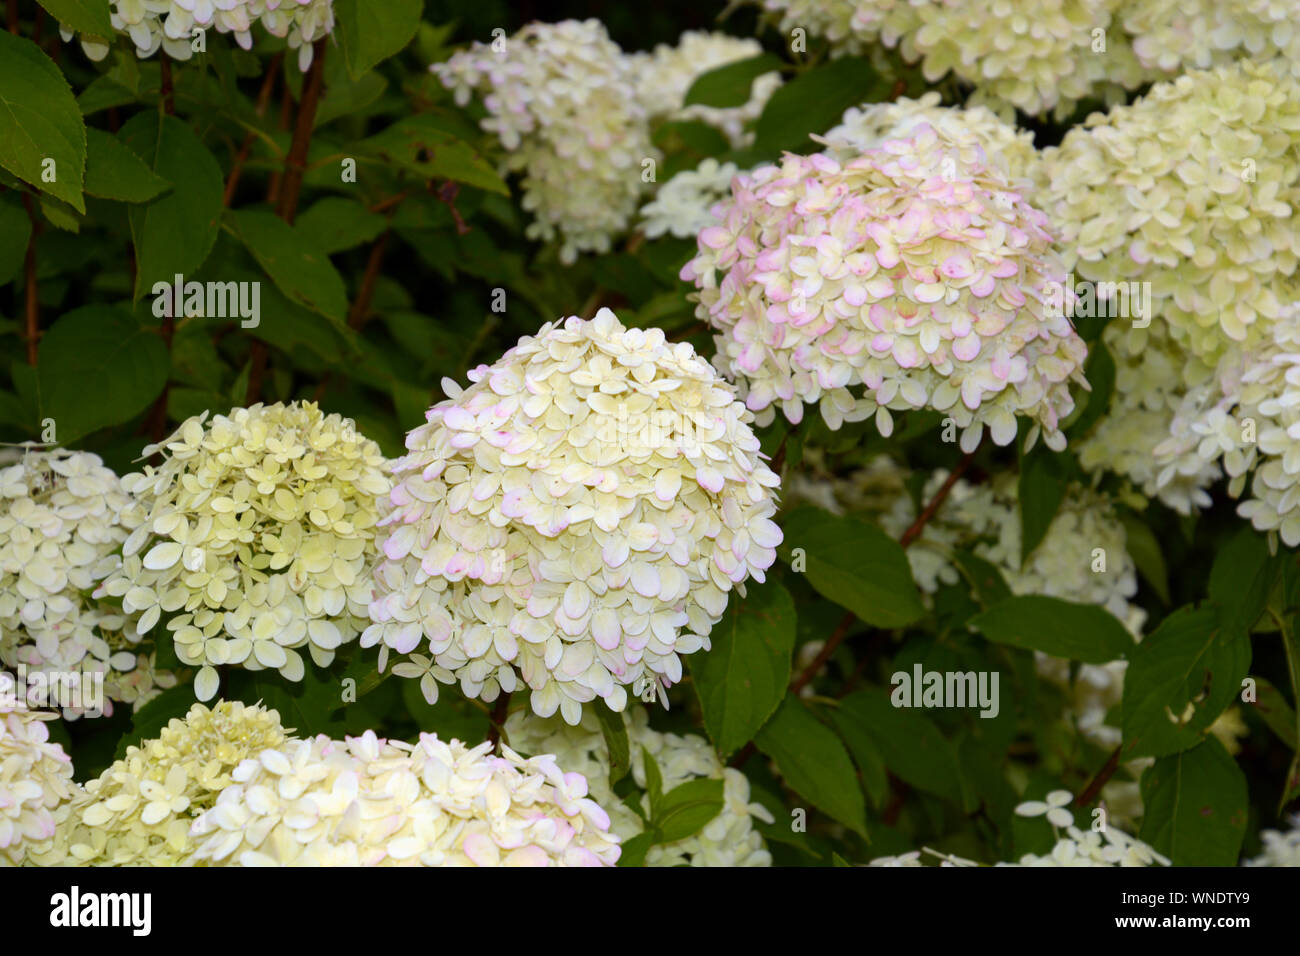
[{"x": 374, "y": 290}]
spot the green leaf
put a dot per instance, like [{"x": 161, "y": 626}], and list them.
[
  {"x": 1241, "y": 579},
  {"x": 1079, "y": 632},
  {"x": 83, "y": 16},
  {"x": 1195, "y": 806},
  {"x": 686, "y": 809},
  {"x": 173, "y": 234},
  {"x": 98, "y": 367},
  {"x": 422, "y": 145},
  {"x": 1145, "y": 550},
  {"x": 908, "y": 741},
  {"x": 371, "y": 32},
  {"x": 335, "y": 224},
  {"x": 984, "y": 577},
  {"x": 814, "y": 763},
  {"x": 40, "y": 120},
  {"x": 729, "y": 85},
  {"x": 15, "y": 233},
  {"x": 1041, "y": 490},
  {"x": 814, "y": 102},
  {"x": 654, "y": 782},
  {"x": 742, "y": 679},
  {"x": 295, "y": 264},
  {"x": 854, "y": 564},
  {"x": 1190, "y": 659},
  {"x": 633, "y": 851},
  {"x": 1100, "y": 373},
  {"x": 114, "y": 172},
  {"x": 620, "y": 750},
  {"x": 1274, "y": 710}
]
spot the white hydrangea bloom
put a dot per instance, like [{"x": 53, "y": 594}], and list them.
[
  {"x": 63, "y": 518},
  {"x": 1281, "y": 848},
  {"x": 365, "y": 801},
  {"x": 1193, "y": 189},
  {"x": 170, "y": 25},
  {"x": 851, "y": 26},
  {"x": 665, "y": 76},
  {"x": 260, "y": 529},
  {"x": 138, "y": 812},
  {"x": 35, "y": 780},
  {"x": 1109, "y": 847},
  {"x": 684, "y": 205},
  {"x": 1248, "y": 418},
  {"x": 1170, "y": 36},
  {"x": 729, "y": 839},
  {"x": 868, "y": 126},
  {"x": 914, "y": 270},
  {"x": 574, "y": 520},
  {"x": 562, "y": 99}
]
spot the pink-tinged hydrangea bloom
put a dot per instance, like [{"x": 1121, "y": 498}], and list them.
[
  {"x": 1194, "y": 188},
  {"x": 914, "y": 270},
  {"x": 1248, "y": 418},
  {"x": 562, "y": 99},
  {"x": 573, "y": 521},
  {"x": 366, "y": 801},
  {"x": 63, "y": 518},
  {"x": 260, "y": 529},
  {"x": 35, "y": 778},
  {"x": 138, "y": 812},
  {"x": 729, "y": 839}
]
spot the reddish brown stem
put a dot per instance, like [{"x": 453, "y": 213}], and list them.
[
  {"x": 263, "y": 99},
  {"x": 32, "y": 310},
  {"x": 168, "y": 86},
  {"x": 500, "y": 711},
  {"x": 1107, "y": 771},
  {"x": 13, "y": 17},
  {"x": 928, "y": 512},
  {"x": 295, "y": 164},
  {"x": 808, "y": 673},
  {"x": 257, "y": 356},
  {"x": 361, "y": 306}
]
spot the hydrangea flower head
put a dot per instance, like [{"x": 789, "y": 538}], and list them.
[
  {"x": 562, "y": 99},
  {"x": 729, "y": 839},
  {"x": 573, "y": 521},
  {"x": 913, "y": 270},
  {"x": 684, "y": 205},
  {"x": 365, "y": 801},
  {"x": 63, "y": 517},
  {"x": 35, "y": 779},
  {"x": 259, "y": 528}
]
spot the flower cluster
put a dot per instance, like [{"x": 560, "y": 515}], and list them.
[
  {"x": 1109, "y": 847},
  {"x": 170, "y": 25},
  {"x": 1280, "y": 848},
  {"x": 139, "y": 811},
  {"x": 1192, "y": 188},
  {"x": 260, "y": 528},
  {"x": 1248, "y": 417},
  {"x": 35, "y": 780},
  {"x": 365, "y": 801},
  {"x": 562, "y": 99},
  {"x": 684, "y": 205},
  {"x": 868, "y": 126},
  {"x": 914, "y": 269},
  {"x": 1172, "y": 35},
  {"x": 575, "y": 519},
  {"x": 665, "y": 77},
  {"x": 729, "y": 839},
  {"x": 63, "y": 517}
]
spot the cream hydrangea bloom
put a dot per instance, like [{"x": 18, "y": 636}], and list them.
[
  {"x": 1248, "y": 418},
  {"x": 63, "y": 517},
  {"x": 684, "y": 205},
  {"x": 868, "y": 126},
  {"x": 260, "y": 529},
  {"x": 138, "y": 812},
  {"x": 365, "y": 801},
  {"x": 914, "y": 270},
  {"x": 1170, "y": 36},
  {"x": 665, "y": 76},
  {"x": 35, "y": 779},
  {"x": 573, "y": 521},
  {"x": 851, "y": 26},
  {"x": 170, "y": 25},
  {"x": 1281, "y": 848},
  {"x": 562, "y": 99},
  {"x": 1194, "y": 189},
  {"x": 1109, "y": 847},
  {"x": 729, "y": 839}
]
